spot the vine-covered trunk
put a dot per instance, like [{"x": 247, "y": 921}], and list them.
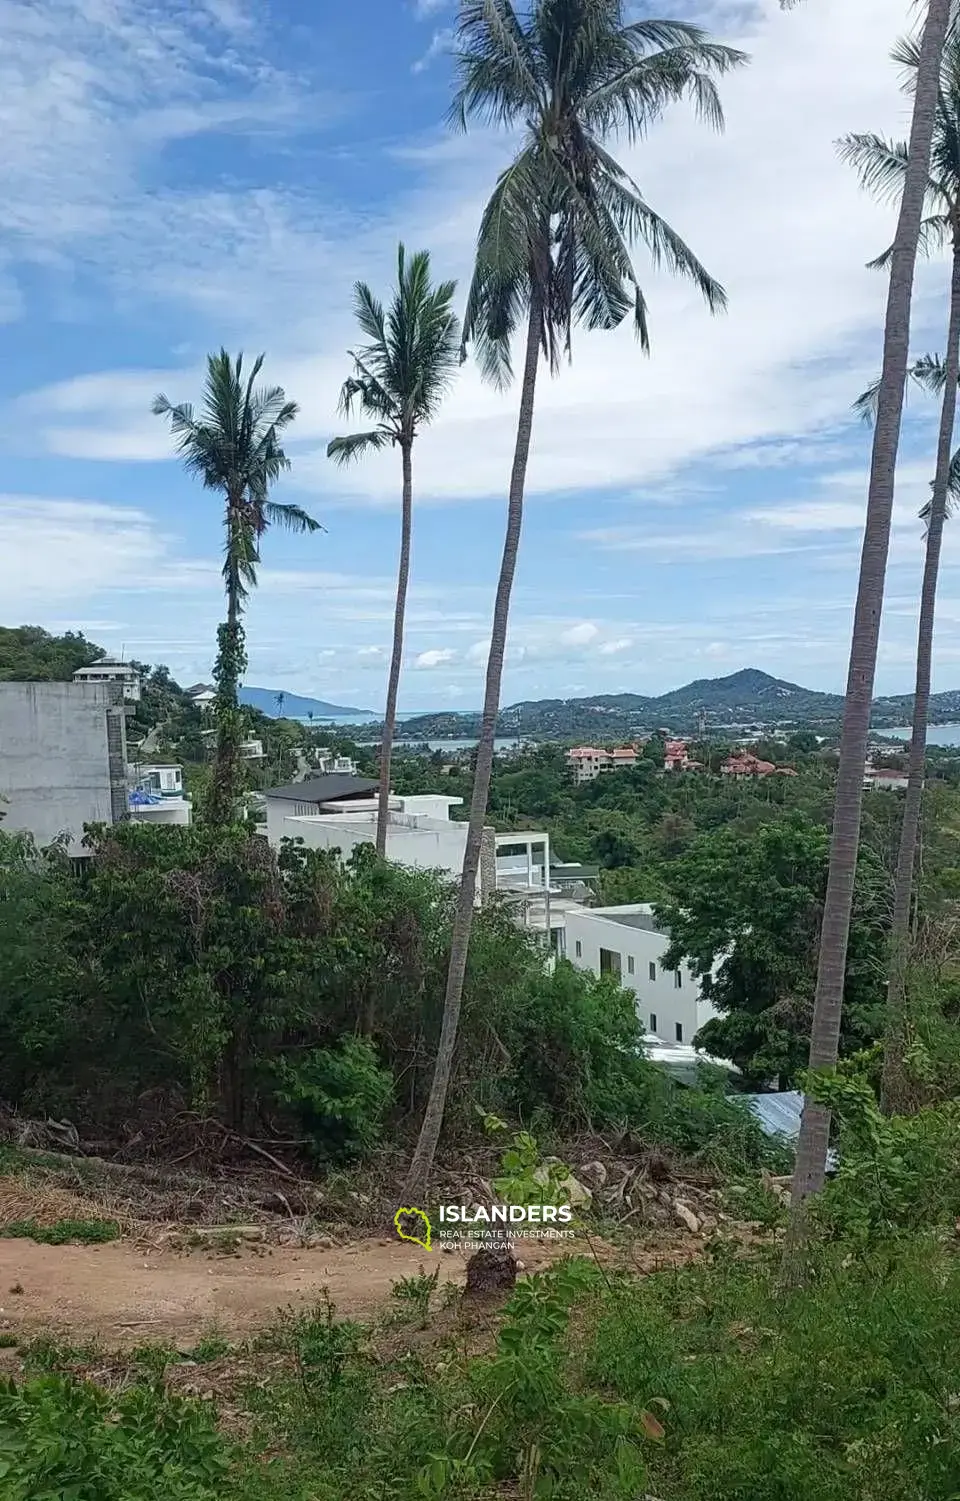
[
  {"x": 396, "y": 659},
  {"x": 463, "y": 920},
  {"x": 230, "y": 664},
  {"x": 810, "y": 1169},
  {"x": 891, "y": 1095}
]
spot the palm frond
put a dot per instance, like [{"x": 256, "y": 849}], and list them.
[
  {"x": 881, "y": 165},
  {"x": 639, "y": 91},
  {"x": 290, "y": 518},
  {"x": 398, "y": 379},
  {"x": 935, "y": 233},
  {"x": 865, "y": 405},
  {"x": 497, "y": 70},
  {"x": 235, "y": 447},
  {"x": 354, "y": 445},
  {"x": 929, "y": 372}
]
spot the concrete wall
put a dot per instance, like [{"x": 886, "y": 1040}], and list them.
[
  {"x": 438, "y": 848},
  {"x": 671, "y": 1004},
  {"x": 55, "y": 764}
]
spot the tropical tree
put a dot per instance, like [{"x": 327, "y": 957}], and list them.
[
  {"x": 234, "y": 447},
  {"x": 811, "y": 1162},
  {"x": 881, "y": 165},
  {"x": 554, "y": 249},
  {"x": 399, "y": 380},
  {"x": 930, "y": 373}
]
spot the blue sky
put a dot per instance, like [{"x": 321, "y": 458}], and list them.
[{"x": 179, "y": 175}]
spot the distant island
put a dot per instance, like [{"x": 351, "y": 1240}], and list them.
[
  {"x": 744, "y": 701},
  {"x": 294, "y": 706}
]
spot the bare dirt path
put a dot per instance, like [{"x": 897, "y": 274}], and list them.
[{"x": 123, "y": 1294}]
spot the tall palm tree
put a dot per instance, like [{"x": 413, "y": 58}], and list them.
[
  {"x": 554, "y": 249},
  {"x": 882, "y": 165},
  {"x": 399, "y": 380},
  {"x": 234, "y": 447},
  {"x": 811, "y": 1161}
]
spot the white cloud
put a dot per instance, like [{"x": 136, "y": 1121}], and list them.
[
  {"x": 614, "y": 648},
  {"x": 801, "y": 336},
  {"x": 437, "y": 657},
  {"x": 581, "y": 634},
  {"x": 440, "y": 44},
  {"x": 425, "y": 8}
]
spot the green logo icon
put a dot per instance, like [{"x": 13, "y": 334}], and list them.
[{"x": 413, "y": 1214}]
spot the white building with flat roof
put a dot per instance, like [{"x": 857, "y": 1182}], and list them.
[
  {"x": 627, "y": 943},
  {"x": 112, "y": 670},
  {"x": 420, "y": 833}
]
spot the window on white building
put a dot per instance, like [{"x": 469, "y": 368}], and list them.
[
  {"x": 579, "y": 949},
  {"x": 653, "y": 1021},
  {"x": 677, "y": 979},
  {"x": 679, "y": 1031},
  {"x": 653, "y": 971},
  {"x": 610, "y": 963},
  {"x": 630, "y": 964}
]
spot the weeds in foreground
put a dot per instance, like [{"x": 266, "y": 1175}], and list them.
[
  {"x": 695, "y": 1384},
  {"x": 62, "y": 1232}
]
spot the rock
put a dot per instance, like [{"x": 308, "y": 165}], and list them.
[
  {"x": 685, "y": 1216},
  {"x": 593, "y": 1173},
  {"x": 491, "y": 1271},
  {"x": 569, "y": 1190}
]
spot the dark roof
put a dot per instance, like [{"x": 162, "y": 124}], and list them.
[{"x": 326, "y": 789}]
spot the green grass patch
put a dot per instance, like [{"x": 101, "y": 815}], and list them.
[
  {"x": 62, "y": 1232},
  {"x": 695, "y": 1384}
]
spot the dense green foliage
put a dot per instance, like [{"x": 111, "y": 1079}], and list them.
[
  {"x": 29, "y": 654},
  {"x": 746, "y": 917},
  {"x": 193, "y": 969}
]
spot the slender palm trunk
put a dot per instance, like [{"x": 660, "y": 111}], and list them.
[
  {"x": 231, "y": 660},
  {"x": 810, "y": 1168},
  {"x": 893, "y": 1077},
  {"x": 390, "y": 714},
  {"x": 463, "y": 921}
]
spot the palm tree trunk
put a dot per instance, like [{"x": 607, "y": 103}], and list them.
[
  {"x": 390, "y": 714},
  {"x": 230, "y": 663},
  {"x": 893, "y": 1078},
  {"x": 422, "y": 1163},
  {"x": 810, "y": 1168}
]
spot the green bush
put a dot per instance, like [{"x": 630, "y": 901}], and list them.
[
  {"x": 62, "y": 1440},
  {"x": 341, "y": 1095},
  {"x": 895, "y": 1172},
  {"x": 62, "y": 1232}
]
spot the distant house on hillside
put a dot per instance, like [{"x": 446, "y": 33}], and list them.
[
  {"x": 746, "y": 764},
  {"x": 675, "y": 757},
  {"x": 202, "y": 695},
  {"x": 586, "y": 762},
  {"x": 623, "y": 756},
  {"x": 112, "y": 670},
  {"x": 884, "y": 778}
]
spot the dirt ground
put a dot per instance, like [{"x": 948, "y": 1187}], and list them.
[{"x": 123, "y": 1294}]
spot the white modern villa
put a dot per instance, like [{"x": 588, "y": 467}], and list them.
[{"x": 627, "y": 943}]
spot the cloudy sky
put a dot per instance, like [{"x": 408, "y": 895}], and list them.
[{"x": 177, "y": 174}]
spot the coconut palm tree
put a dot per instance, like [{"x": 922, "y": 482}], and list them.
[
  {"x": 881, "y": 165},
  {"x": 811, "y": 1161},
  {"x": 234, "y": 447},
  {"x": 554, "y": 249},
  {"x": 399, "y": 380}
]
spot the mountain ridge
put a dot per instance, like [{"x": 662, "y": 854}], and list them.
[
  {"x": 296, "y": 705},
  {"x": 741, "y": 699}
]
